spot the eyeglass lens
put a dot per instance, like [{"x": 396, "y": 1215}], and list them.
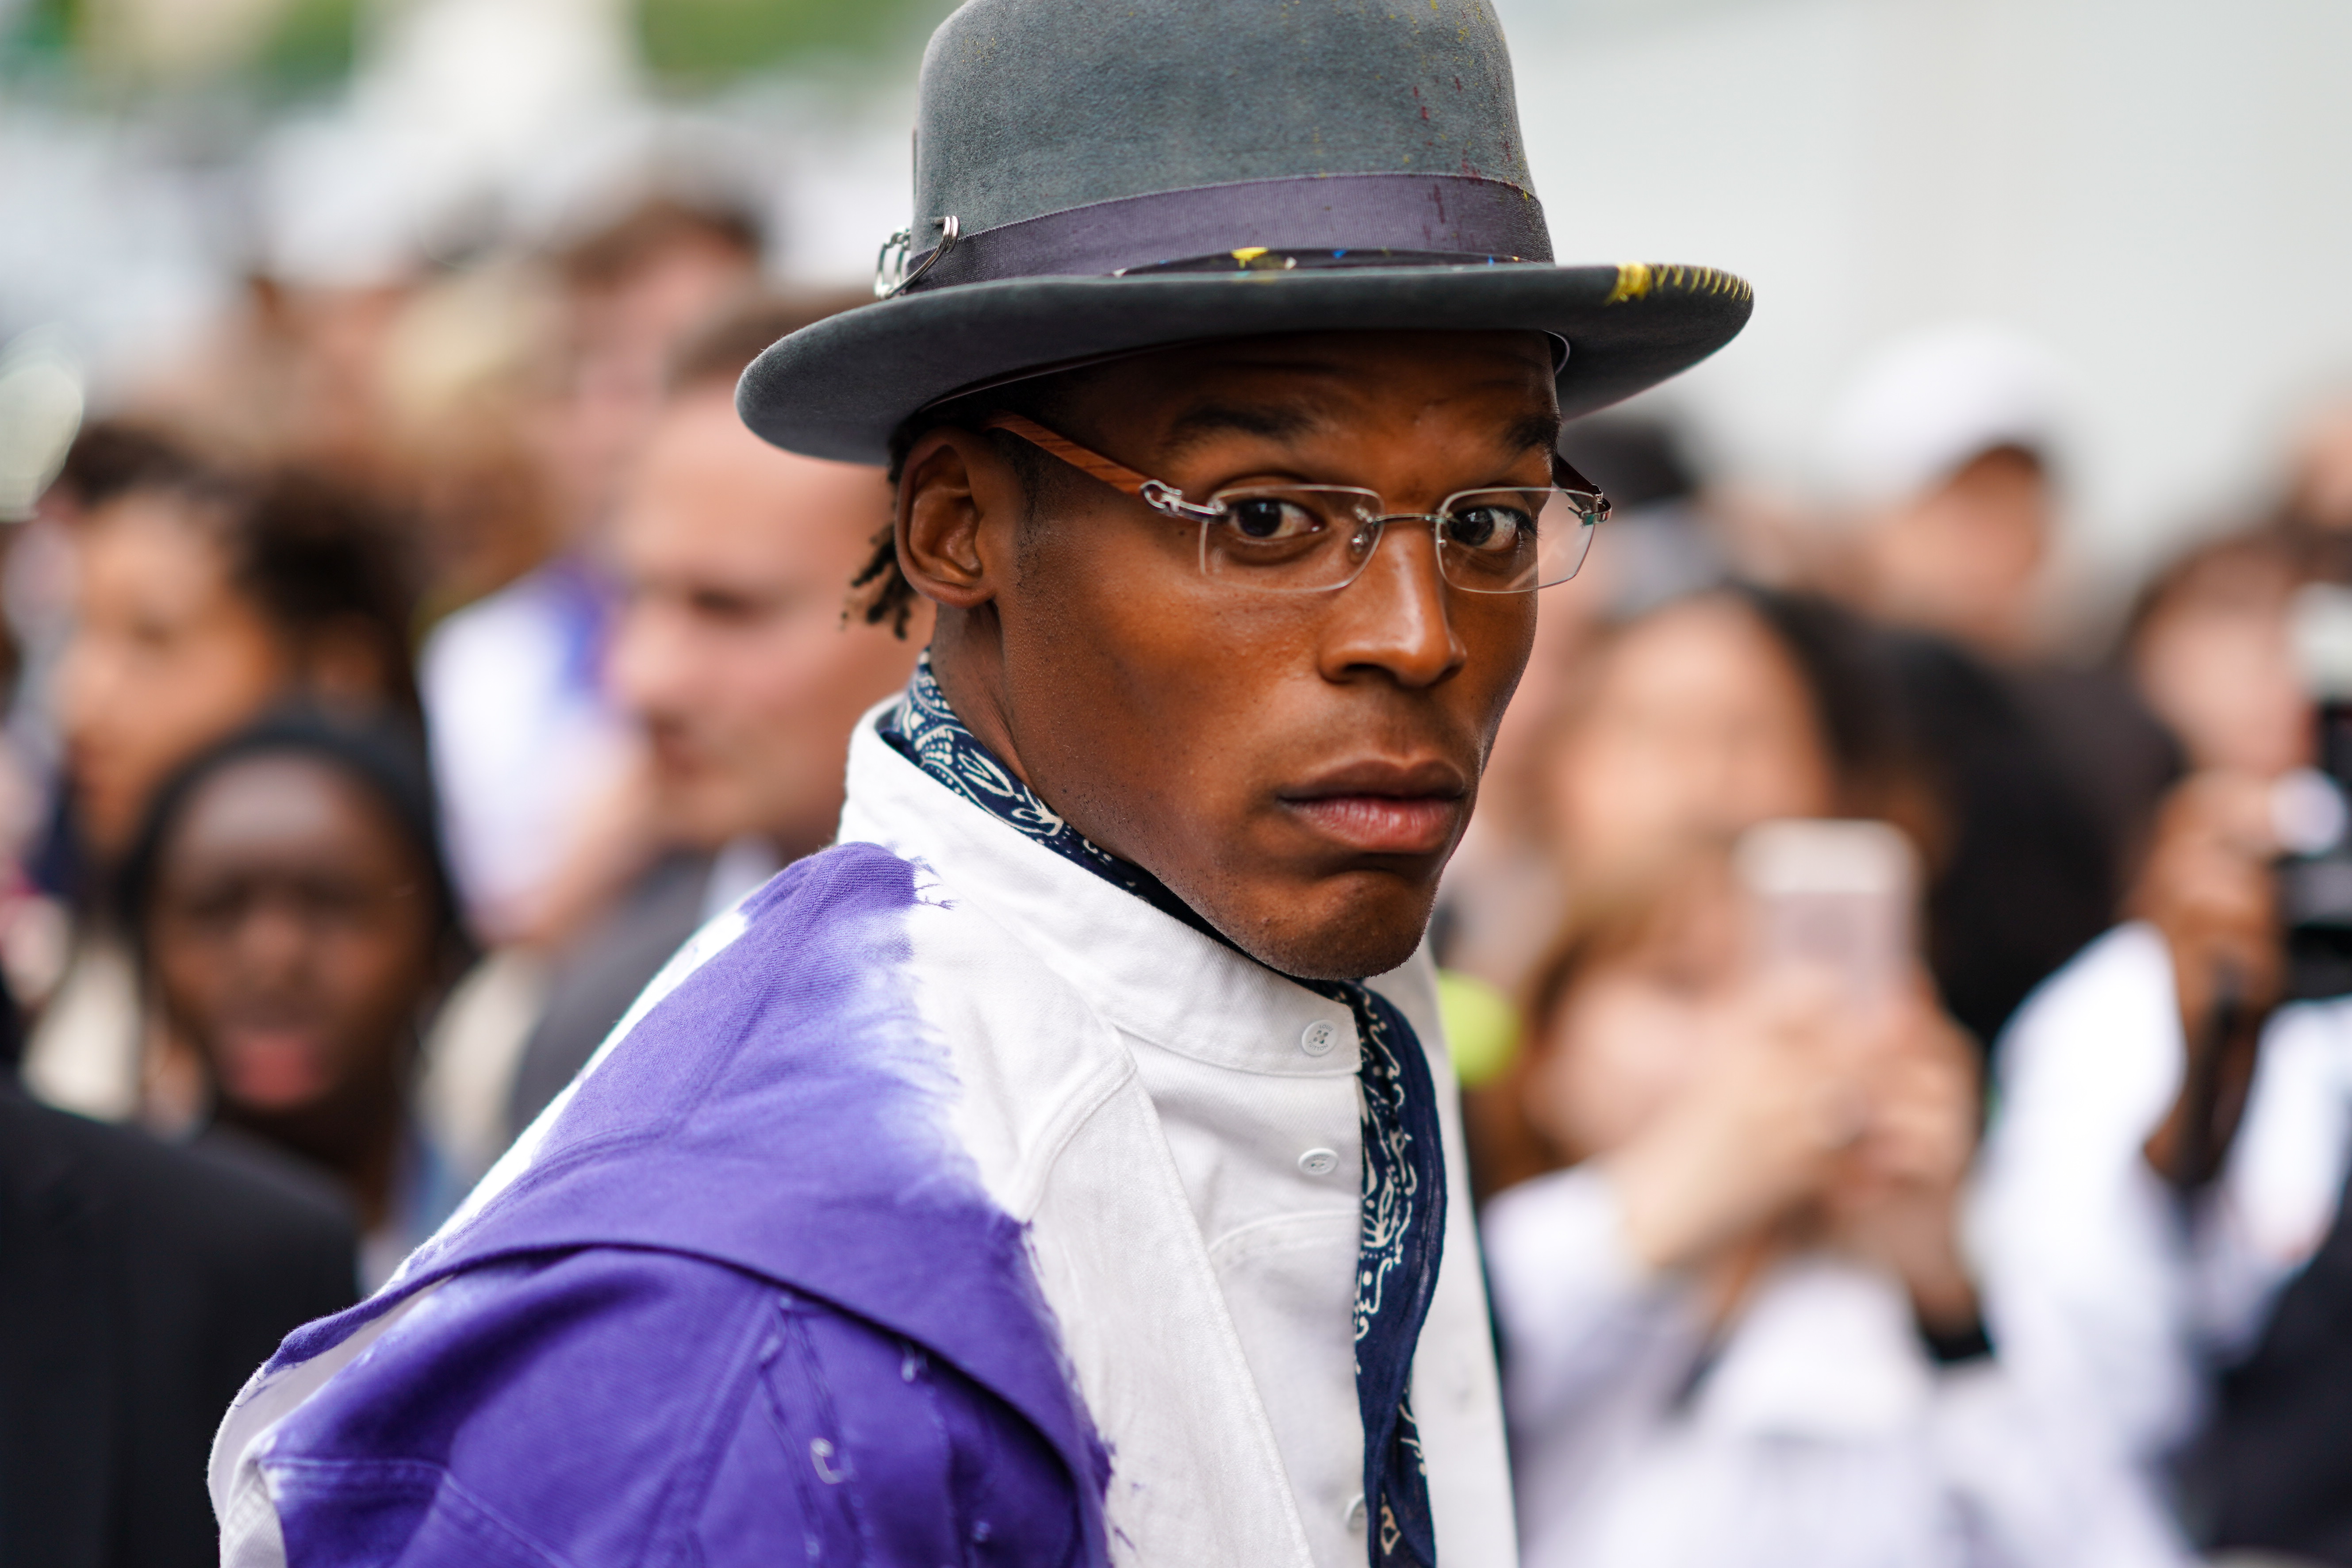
[{"x": 1305, "y": 537}]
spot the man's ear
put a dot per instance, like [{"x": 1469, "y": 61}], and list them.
[{"x": 958, "y": 505}]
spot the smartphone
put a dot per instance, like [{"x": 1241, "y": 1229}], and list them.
[{"x": 1838, "y": 897}]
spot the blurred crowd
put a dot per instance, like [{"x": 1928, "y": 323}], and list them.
[{"x": 398, "y": 680}]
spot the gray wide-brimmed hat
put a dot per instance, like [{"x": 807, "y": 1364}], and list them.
[{"x": 1096, "y": 177}]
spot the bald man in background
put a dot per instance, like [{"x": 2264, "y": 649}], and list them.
[{"x": 733, "y": 658}]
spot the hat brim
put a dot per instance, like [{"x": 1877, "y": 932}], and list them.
[{"x": 839, "y": 388}]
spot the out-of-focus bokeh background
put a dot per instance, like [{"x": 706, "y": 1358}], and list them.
[
  {"x": 2149, "y": 190},
  {"x": 407, "y": 649}
]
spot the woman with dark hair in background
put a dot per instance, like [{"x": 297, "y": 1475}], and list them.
[
  {"x": 1737, "y": 1323},
  {"x": 296, "y": 927},
  {"x": 1723, "y": 709},
  {"x": 1715, "y": 712},
  {"x": 199, "y": 602}
]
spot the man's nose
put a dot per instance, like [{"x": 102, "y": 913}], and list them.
[
  {"x": 647, "y": 664},
  {"x": 1395, "y": 618}
]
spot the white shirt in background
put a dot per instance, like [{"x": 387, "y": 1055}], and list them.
[
  {"x": 523, "y": 736},
  {"x": 1814, "y": 1431},
  {"x": 2095, "y": 1273}
]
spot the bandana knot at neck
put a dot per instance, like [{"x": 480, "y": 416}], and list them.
[{"x": 1403, "y": 1217}]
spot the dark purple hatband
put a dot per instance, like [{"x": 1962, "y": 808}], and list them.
[{"x": 1460, "y": 215}]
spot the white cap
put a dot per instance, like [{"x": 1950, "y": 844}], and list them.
[{"x": 1930, "y": 402}]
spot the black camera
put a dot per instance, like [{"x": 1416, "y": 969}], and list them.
[
  {"x": 2315, "y": 889},
  {"x": 2315, "y": 886}
]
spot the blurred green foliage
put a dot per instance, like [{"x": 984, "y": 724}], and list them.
[
  {"x": 43, "y": 30},
  {"x": 696, "y": 43},
  {"x": 285, "y": 45},
  {"x": 298, "y": 46},
  {"x": 313, "y": 42}
]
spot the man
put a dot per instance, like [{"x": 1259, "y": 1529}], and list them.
[
  {"x": 1035, "y": 1177},
  {"x": 2164, "y": 1193},
  {"x": 732, "y": 654},
  {"x": 1946, "y": 449},
  {"x": 525, "y": 742},
  {"x": 1941, "y": 449}
]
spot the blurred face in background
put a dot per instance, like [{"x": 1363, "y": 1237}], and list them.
[
  {"x": 1697, "y": 723},
  {"x": 1963, "y": 560},
  {"x": 166, "y": 655},
  {"x": 2321, "y": 495},
  {"x": 2214, "y": 660},
  {"x": 292, "y": 939},
  {"x": 1638, "y": 1021},
  {"x": 731, "y": 651},
  {"x": 624, "y": 328}
]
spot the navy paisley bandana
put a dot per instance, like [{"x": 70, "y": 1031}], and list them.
[{"x": 1404, "y": 1222}]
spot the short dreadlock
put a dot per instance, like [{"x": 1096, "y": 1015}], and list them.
[{"x": 880, "y": 592}]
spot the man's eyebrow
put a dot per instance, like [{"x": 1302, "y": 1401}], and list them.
[
  {"x": 1535, "y": 430},
  {"x": 1275, "y": 422}
]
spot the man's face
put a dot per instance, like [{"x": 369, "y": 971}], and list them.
[
  {"x": 1296, "y": 766},
  {"x": 732, "y": 652},
  {"x": 166, "y": 657},
  {"x": 1963, "y": 558}
]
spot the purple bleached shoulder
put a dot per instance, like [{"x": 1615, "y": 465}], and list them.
[{"x": 748, "y": 1302}]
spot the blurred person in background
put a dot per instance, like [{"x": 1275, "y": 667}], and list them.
[
  {"x": 1946, "y": 450},
  {"x": 735, "y": 655},
  {"x": 1737, "y": 1324},
  {"x": 139, "y": 1285},
  {"x": 1503, "y": 895},
  {"x": 2163, "y": 1219},
  {"x": 1665, "y": 541},
  {"x": 528, "y": 751},
  {"x": 2315, "y": 514},
  {"x": 2210, "y": 647},
  {"x": 200, "y": 602},
  {"x": 37, "y": 849},
  {"x": 292, "y": 371},
  {"x": 634, "y": 288},
  {"x": 1942, "y": 449},
  {"x": 294, "y": 924},
  {"x": 1721, "y": 710},
  {"x": 473, "y": 391},
  {"x": 1715, "y": 711}
]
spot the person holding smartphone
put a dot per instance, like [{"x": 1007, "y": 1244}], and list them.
[
  {"x": 1739, "y": 1326},
  {"x": 2164, "y": 1231}
]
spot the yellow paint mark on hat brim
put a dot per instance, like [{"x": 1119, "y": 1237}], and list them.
[
  {"x": 1633, "y": 282},
  {"x": 1640, "y": 280}
]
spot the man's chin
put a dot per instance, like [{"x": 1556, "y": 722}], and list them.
[
  {"x": 702, "y": 818},
  {"x": 1353, "y": 933}
]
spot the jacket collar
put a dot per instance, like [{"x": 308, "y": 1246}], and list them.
[{"x": 1148, "y": 972}]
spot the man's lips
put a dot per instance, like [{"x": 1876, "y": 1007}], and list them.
[{"x": 1384, "y": 807}]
